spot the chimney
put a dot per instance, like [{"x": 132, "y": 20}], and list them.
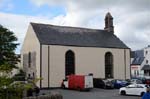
[{"x": 109, "y": 23}]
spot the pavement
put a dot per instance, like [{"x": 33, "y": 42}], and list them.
[{"x": 95, "y": 93}]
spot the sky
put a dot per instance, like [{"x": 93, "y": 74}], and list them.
[{"x": 131, "y": 17}]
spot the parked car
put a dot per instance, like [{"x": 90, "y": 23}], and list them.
[
  {"x": 135, "y": 81},
  {"x": 140, "y": 78},
  {"x": 18, "y": 82},
  {"x": 102, "y": 83},
  {"x": 147, "y": 81},
  {"x": 119, "y": 83},
  {"x": 133, "y": 89}
]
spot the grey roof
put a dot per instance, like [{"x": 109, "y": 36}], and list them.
[
  {"x": 146, "y": 67},
  {"x": 132, "y": 54},
  {"x": 137, "y": 61},
  {"x": 138, "y": 56},
  {"x": 73, "y": 36},
  {"x": 139, "y": 53}
]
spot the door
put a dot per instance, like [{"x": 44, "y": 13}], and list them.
[{"x": 131, "y": 89}]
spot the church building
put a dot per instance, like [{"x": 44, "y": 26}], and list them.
[{"x": 52, "y": 52}]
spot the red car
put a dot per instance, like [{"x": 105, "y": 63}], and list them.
[{"x": 147, "y": 81}]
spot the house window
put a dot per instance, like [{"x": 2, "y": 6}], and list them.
[
  {"x": 146, "y": 52},
  {"x": 146, "y": 61},
  {"x": 29, "y": 76},
  {"x": 134, "y": 72},
  {"x": 69, "y": 63},
  {"x": 137, "y": 73},
  {"x": 33, "y": 74},
  {"x": 147, "y": 72},
  {"x": 29, "y": 59},
  {"x": 108, "y": 65}
]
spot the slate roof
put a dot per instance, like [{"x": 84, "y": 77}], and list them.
[
  {"x": 146, "y": 67},
  {"x": 138, "y": 57},
  {"x": 137, "y": 61},
  {"x": 132, "y": 55},
  {"x": 74, "y": 36},
  {"x": 139, "y": 53}
]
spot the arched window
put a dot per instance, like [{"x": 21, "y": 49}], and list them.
[
  {"x": 69, "y": 63},
  {"x": 108, "y": 65},
  {"x": 29, "y": 59}
]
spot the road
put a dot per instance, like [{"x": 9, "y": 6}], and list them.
[{"x": 93, "y": 94}]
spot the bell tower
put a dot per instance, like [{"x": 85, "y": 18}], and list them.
[{"x": 109, "y": 23}]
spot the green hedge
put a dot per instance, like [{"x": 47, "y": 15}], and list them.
[
  {"x": 51, "y": 96},
  {"x": 10, "y": 94}
]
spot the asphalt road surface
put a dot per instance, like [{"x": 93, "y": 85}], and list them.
[{"x": 93, "y": 94}]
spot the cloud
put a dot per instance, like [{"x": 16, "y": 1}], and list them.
[
  {"x": 49, "y": 2},
  {"x": 130, "y": 18},
  {"x": 19, "y": 23},
  {"x": 95, "y": 4},
  {"x": 135, "y": 29}
]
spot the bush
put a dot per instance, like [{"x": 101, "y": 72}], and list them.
[
  {"x": 20, "y": 76},
  {"x": 15, "y": 90},
  {"x": 10, "y": 93}
]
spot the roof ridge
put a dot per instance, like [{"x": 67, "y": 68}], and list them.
[{"x": 61, "y": 26}]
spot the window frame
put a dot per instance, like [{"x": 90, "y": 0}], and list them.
[
  {"x": 29, "y": 59},
  {"x": 109, "y": 69},
  {"x": 69, "y": 63}
]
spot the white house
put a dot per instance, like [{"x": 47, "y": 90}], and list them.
[
  {"x": 146, "y": 66},
  {"x": 137, "y": 61},
  {"x": 53, "y": 52},
  {"x": 140, "y": 66}
]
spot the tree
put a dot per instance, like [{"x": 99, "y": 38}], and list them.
[
  {"x": 20, "y": 76},
  {"x": 8, "y": 60},
  {"x": 8, "y": 44}
]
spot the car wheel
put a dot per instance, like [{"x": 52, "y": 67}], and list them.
[
  {"x": 142, "y": 93},
  {"x": 104, "y": 87},
  {"x": 78, "y": 88},
  {"x": 123, "y": 93}
]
